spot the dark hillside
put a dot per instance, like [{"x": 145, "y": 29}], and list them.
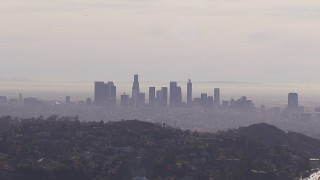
[
  {"x": 265, "y": 133},
  {"x": 269, "y": 134},
  {"x": 66, "y": 149}
]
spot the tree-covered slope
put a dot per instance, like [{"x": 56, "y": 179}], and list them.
[
  {"x": 271, "y": 135},
  {"x": 65, "y": 148}
]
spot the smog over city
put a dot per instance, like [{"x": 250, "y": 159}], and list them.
[{"x": 182, "y": 89}]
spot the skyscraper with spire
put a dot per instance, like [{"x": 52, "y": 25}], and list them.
[
  {"x": 135, "y": 90},
  {"x": 20, "y": 99}
]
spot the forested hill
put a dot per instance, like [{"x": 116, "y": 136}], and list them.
[
  {"x": 65, "y": 148},
  {"x": 269, "y": 134}
]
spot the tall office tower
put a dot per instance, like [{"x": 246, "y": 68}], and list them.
[
  {"x": 68, "y": 99},
  {"x": 159, "y": 98},
  {"x": 164, "y": 96},
  {"x": 179, "y": 96},
  {"x": 189, "y": 92},
  {"x": 100, "y": 93},
  {"x": 20, "y": 99},
  {"x": 173, "y": 94},
  {"x": 293, "y": 101},
  {"x": 152, "y": 96},
  {"x": 111, "y": 93},
  {"x": 216, "y": 97},
  {"x": 105, "y": 94},
  {"x": 135, "y": 89},
  {"x": 124, "y": 100},
  {"x": 204, "y": 98},
  {"x": 141, "y": 99}
]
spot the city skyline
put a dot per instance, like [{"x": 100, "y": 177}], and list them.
[
  {"x": 105, "y": 94},
  {"x": 264, "y": 93},
  {"x": 159, "y": 89}
]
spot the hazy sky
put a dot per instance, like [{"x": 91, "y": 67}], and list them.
[{"x": 162, "y": 40}]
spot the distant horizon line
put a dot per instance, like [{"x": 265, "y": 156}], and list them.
[
  {"x": 24, "y": 80},
  {"x": 19, "y": 79}
]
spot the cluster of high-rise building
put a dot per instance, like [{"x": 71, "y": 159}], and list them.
[
  {"x": 105, "y": 95},
  {"x": 28, "y": 101}
]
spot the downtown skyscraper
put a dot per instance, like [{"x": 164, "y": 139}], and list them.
[
  {"x": 175, "y": 94},
  {"x": 293, "y": 101},
  {"x": 162, "y": 97},
  {"x": 216, "y": 96},
  {"x": 135, "y": 90},
  {"x": 189, "y": 92},
  {"x": 105, "y": 93},
  {"x": 152, "y": 96}
]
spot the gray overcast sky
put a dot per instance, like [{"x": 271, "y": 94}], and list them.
[{"x": 232, "y": 40}]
